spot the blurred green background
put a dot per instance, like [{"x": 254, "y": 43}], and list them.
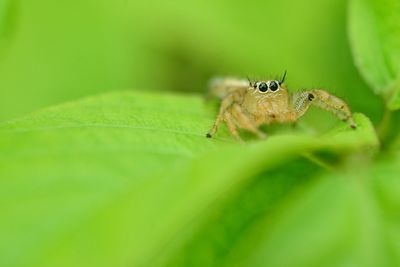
[{"x": 55, "y": 51}]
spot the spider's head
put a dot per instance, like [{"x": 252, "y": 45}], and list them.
[{"x": 270, "y": 88}]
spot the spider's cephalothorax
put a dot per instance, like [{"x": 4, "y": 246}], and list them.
[{"x": 248, "y": 105}]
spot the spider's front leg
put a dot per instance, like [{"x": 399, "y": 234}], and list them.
[
  {"x": 245, "y": 122},
  {"x": 224, "y": 115},
  {"x": 234, "y": 116},
  {"x": 320, "y": 98}
]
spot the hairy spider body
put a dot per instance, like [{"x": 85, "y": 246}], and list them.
[{"x": 248, "y": 105}]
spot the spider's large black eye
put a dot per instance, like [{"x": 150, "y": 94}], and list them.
[
  {"x": 273, "y": 85},
  {"x": 263, "y": 87}
]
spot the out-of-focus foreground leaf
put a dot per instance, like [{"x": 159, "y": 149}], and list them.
[
  {"x": 394, "y": 102},
  {"x": 374, "y": 29},
  {"x": 334, "y": 219},
  {"x": 128, "y": 179}
]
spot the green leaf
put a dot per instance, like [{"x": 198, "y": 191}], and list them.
[
  {"x": 394, "y": 102},
  {"x": 298, "y": 216},
  {"x": 126, "y": 179},
  {"x": 334, "y": 222},
  {"x": 374, "y": 30}
]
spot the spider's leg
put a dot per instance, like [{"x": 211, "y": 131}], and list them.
[
  {"x": 226, "y": 103},
  {"x": 217, "y": 122},
  {"x": 245, "y": 122},
  {"x": 324, "y": 100},
  {"x": 230, "y": 122}
]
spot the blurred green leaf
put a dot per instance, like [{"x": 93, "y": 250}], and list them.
[
  {"x": 299, "y": 216},
  {"x": 335, "y": 221},
  {"x": 386, "y": 186},
  {"x": 374, "y": 29},
  {"x": 126, "y": 179},
  {"x": 212, "y": 243},
  {"x": 394, "y": 102}
]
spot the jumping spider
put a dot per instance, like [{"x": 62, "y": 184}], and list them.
[{"x": 248, "y": 105}]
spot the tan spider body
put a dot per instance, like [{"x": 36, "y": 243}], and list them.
[{"x": 248, "y": 105}]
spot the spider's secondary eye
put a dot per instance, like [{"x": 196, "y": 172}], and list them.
[
  {"x": 273, "y": 85},
  {"x": 263, "y": 87}
]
